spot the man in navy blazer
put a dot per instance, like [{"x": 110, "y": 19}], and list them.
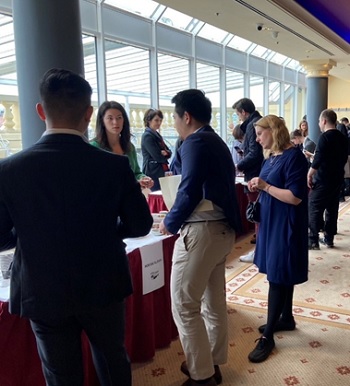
[
  {"x": 71, "y": 205},
  {"x": 206, "y": 238}
]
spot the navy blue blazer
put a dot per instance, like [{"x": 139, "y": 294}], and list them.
[
  {"x": 207, "y": 172},
  {"x": 71, "y": 205}
]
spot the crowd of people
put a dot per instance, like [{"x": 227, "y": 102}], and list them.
[{"x": 70, "y": 271}]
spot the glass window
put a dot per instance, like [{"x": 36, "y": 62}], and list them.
[
  {"x": 256, "y": 84},
  {"x": 173, "y": 76},
  {"x": 90, "y": 71},
  {"x": 301, "y": 104},
  {"x": 177, "y": 19},
  {"x": 274, "y": 98},
  {"x": 234, "y": 92},
  {"x": 128, "y": 82},
  {"x": 240, "y": 44},
  {"x": 212, "y": 33},
  {"x": 208, "y": 80},
  {"x": 261, "y": 52},
  {"x": 141, "y": 7},
  {"x": 8, "y": 72},
  {"x": 289, "y": 105},
  {"x": 279, "y": 59}
]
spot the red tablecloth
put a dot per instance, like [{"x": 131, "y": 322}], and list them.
[
  {"x": 156, "y": 204},
  {"x": 149, "y": 325},
  {"x": 148, "y": 317},
  {"x": 242, "y": 203}
]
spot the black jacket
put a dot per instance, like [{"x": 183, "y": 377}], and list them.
[{"x": 253, "y": 157}]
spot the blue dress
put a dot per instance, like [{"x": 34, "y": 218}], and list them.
[{"x": 282, "y": 241}]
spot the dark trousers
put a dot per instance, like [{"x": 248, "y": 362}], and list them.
[
  {"x": 323, "y": 211},
  {"x": 60, "y": 349}
]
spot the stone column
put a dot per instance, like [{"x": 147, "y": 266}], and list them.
[
  {"x": 317, "y": 92},
  {"x": 47, "y": 34}
]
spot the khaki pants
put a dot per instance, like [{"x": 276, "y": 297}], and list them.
[{"x": 198, "y": 294}]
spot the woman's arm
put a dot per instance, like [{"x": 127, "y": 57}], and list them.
[{"x": 284, "y": 195}]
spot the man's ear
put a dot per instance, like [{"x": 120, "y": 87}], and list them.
[
  {"x": 187, "y": 117},
  {"x": 40, "y": 111},
  {"x": 88, "y": 113}
]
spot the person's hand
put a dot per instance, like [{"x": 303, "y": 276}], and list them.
[
  {"x": 256, "y": 184},
  {"x": 307, "y": 154},
  {"x": 310, "y": 181},
  {"x": 162, "y": 229},
  {"x": 146, "y": 182},
  {"x": 164, "y": 153}
]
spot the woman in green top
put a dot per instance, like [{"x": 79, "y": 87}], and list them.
[{"x": 113, "y": 134}]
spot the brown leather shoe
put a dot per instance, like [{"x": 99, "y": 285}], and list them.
[
  {"x": 217, "y": 375},
  {"x": 192, "y": 382}
]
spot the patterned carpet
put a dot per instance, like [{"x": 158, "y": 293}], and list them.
[{"x": 317, "y": 353}]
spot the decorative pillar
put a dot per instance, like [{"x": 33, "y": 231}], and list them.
[
  {"x": 47, "y": 35},
  {"x": 317, "y": 92}
]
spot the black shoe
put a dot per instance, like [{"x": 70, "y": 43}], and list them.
[
  {"x": 262, "y": 350},
  {"x": 280, "y": 326},
  {"x": 217, "y": 375},
  {"x": 314, "y": 246},
  {"x": 327, "y": 243},
  {"x": 206, "y": 382}
]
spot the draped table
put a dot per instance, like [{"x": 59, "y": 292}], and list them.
[{"x": 149, "y": 326}]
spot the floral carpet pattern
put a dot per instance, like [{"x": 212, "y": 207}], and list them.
[{"x": 317, "y": 353}]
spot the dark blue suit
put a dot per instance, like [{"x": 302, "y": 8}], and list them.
[
  {"x": 207, "y": 171},
  {"x": 71, "y": 205}
]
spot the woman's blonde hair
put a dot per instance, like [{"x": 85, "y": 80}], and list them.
[{"x": 279, "y": 131}]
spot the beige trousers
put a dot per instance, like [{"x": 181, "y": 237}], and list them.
[{"x": 198, "y": 294}]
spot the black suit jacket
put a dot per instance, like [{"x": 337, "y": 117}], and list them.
[
  {"x": 252, "y": 150},
  {"x": 152, "y": 144},
  {"x": 71, "y": 204}
]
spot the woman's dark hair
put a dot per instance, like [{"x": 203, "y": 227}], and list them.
[
  {"x": 296, "y": 134},
  {"x": 150, "y": 114},
  {"x": 101, "y": 136},
  {"x": 237, "y": 132}
]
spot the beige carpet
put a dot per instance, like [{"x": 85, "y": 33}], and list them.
[{"x": 317, "y": 353}]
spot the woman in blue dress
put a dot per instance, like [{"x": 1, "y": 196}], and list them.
[{"x": 282, "y": 245}]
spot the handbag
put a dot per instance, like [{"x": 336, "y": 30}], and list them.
[{"x": 253, "y": 210}]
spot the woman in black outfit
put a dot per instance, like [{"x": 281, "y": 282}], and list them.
[{"x": 155, "y": 152}]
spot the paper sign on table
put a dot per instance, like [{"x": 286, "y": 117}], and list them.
[
  {"x": 152, "y": 267},
  {"x": 169, "y": 186}
]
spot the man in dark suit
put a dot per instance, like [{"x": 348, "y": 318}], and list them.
[
  {"x": 71, "y": 205},
  {"x": 252, "y": 159},
  {"x": 206, "y": 237}
]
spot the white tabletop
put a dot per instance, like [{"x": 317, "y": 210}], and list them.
[{"x": 131, "y": 245}]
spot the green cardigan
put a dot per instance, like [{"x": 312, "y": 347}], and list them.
[{"x": 132, "y": 160}]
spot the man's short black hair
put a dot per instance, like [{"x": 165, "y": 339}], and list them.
[
  {"x": 195, "y": 103},
  {"x": 245, "y": 104},
  {"x": 65, "y": 94}
]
